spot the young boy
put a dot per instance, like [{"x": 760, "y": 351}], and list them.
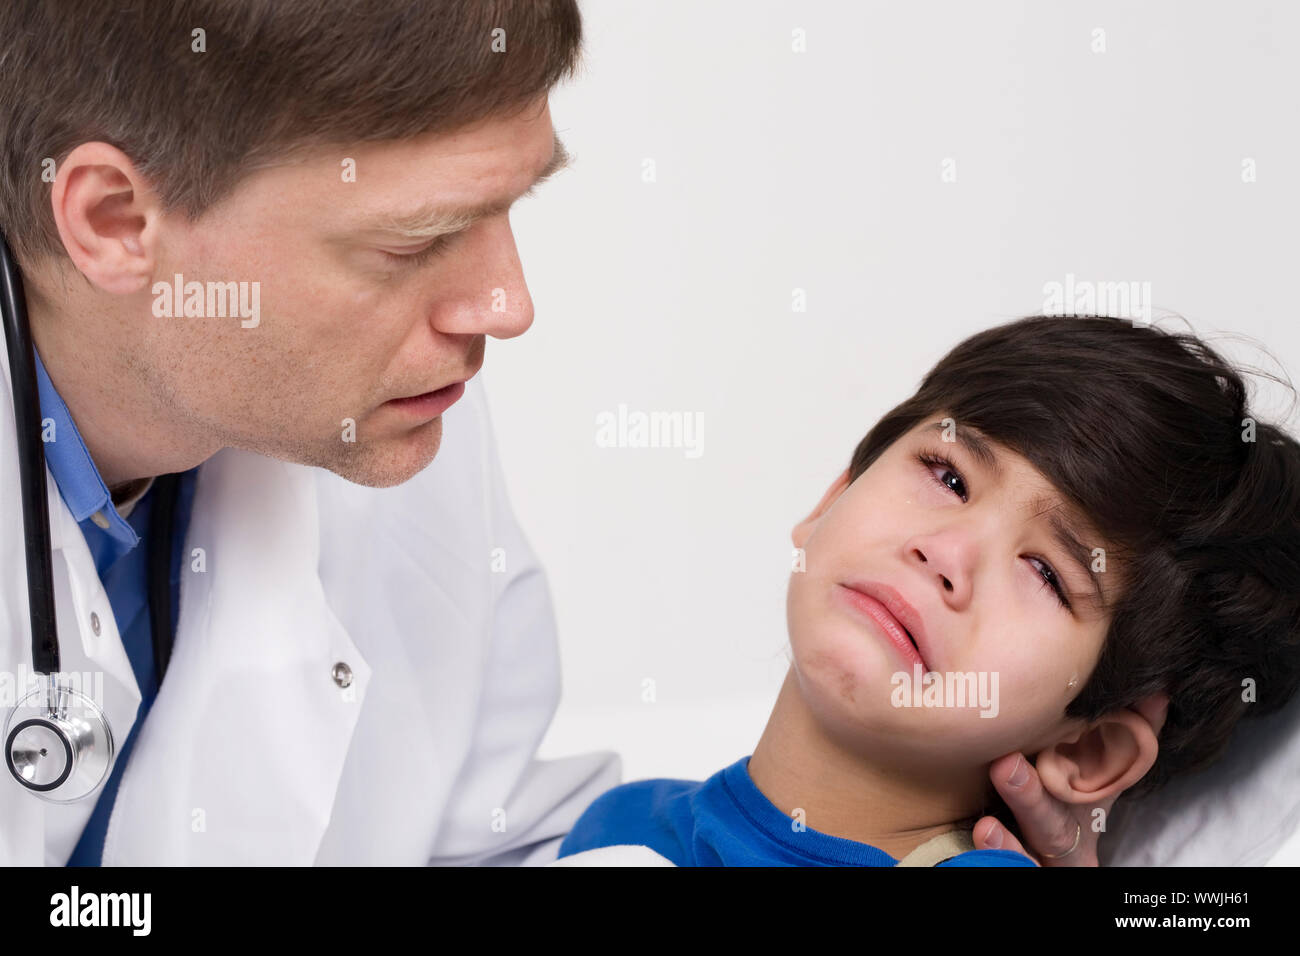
[{"x": 1069, "y": 515}]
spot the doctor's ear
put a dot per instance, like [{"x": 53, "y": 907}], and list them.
[
  {"x": 1100, "y": 760},
  {"x": 804, "y": 528},
  {"x": 107, "y": 217}
]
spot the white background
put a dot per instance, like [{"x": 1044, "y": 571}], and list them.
[{"x": 820, "y": 170}]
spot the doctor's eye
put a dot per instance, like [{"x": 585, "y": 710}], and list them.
[{"x": 421, "y": 255}]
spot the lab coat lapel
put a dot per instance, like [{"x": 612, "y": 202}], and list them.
[
  {"x": 239, "y": 759},
  {"x": 33, "y": 831},
  {"x": 99, "y": 660}
]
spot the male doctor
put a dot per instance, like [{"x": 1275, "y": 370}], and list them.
[{"x": 364, "y": 657}]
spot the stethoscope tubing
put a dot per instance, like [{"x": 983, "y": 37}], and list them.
[
  {"x": 75, "y": 726},
  {"x": 31, "y": 466}
]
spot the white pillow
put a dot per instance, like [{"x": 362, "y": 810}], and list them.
[{"x": 1243, "y": 811}]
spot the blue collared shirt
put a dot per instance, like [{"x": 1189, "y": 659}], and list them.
[{"x": 123, "y": 567}]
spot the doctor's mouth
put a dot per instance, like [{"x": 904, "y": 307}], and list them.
[
  {"x": 424, "y": 406},
  {"x": 428, "y": 404}
]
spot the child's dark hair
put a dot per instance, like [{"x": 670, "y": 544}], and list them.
[{"x": 1146, "y": 432}]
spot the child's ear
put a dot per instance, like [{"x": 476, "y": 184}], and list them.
[
  {"x": 1101, "y": 760},
  {"x": 804, "y": 528}
]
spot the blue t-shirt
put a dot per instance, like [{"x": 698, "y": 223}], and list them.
[{"x": 726, "y": 821}]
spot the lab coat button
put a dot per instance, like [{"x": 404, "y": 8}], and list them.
[
  {"x": 94, "y": 623},
  {"x": 342, "y": 674}
]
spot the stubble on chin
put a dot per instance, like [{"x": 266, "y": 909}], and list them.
[{"x": 385, "y": 463}]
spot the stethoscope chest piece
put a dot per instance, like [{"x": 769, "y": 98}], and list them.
[{"x": 58, "y": 744}]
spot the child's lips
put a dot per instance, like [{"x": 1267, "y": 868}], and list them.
[{"x": 875, "y": 609}]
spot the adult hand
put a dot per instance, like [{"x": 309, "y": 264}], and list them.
[{"x": 1047, "y": 823}]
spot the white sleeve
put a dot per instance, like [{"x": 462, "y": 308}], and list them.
[{"x": 533, "y": 803}]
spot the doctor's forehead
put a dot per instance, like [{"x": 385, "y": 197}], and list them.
[
  {"x": 433, "y": 217},
  {"x": 432, "y": 185}
]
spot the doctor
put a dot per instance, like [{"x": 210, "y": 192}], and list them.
[{"x": 263, "y": 255}]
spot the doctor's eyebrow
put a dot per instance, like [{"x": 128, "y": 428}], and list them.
[{"x": 433, "y": 219}]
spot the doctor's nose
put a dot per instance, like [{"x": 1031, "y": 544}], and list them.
[{"x": 490, "y": 295}]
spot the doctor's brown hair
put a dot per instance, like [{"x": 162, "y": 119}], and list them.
[
  {"x": 277, "y": 76},
  {"x": 1144, "y": 433}
]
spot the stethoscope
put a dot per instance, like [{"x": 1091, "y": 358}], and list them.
[{"x": 58, "y": 742}]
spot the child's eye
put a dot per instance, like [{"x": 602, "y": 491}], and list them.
[
  {"x": 932, "y": 461},
  {"x": 935, "y": 461}
]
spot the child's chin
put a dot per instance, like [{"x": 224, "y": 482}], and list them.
[
  {"x": 847, "y": 663},
  {"x": 852, "y": 683}
]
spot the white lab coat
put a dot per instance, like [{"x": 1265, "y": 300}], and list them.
[{"x": 252, "y": 752}]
